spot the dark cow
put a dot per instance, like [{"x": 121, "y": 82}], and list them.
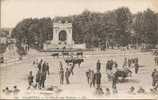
[
  {"x": 123, "y": 73},
  {"x": 78, "y": 61},
  {"x": 55, "y": 55},
  {"x": 79, "y": 53},
  {"x": 65, "y": 53},
  {"x": 74, "y": 61}
]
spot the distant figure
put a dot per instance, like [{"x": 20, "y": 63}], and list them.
[
  {"x": 116, "y": 65},
  {"x": 40, "y": 64},
  {"x": 30, "y": 79},
  {"x": 61, "y": 75},
  {"x": 97, "y": 76},
  {"x": 34, "y": 62},
  {"x": 99, "y": 91},
  {"x": 44, "y": 67},
  {"x": 156, "y": 60},
  {"x": 115, "y": 90},
  {"x": 15, "y": 90},
  {"x": 125, "y": 62},
  {"x": 43, "y": 79},
  {"x": 98, "y": 65},
  {"x": 92, "y": 78},
  {"x": 153, "y": 91},
  {"x": 47, "y": 68},
  {"x": 7, "y": 91},
  {"x": 88, "y": 75},
  {"x": 131, "y": 90},
  {"x": 71, "y": 68},
  {"x": 38, "y": 77},
  {"x": 154, "y": 77},
  {"x": 114, "y": 81},
  {"x": 136, "y": 68},
  {"x": 67, "y": 75},
  {"x": 107, "y": 91},
  {"x": 141, "y": 90},
  {"x": 129, "y": 62}
]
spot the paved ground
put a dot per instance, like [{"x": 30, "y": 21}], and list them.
[{"x": 15, "y": 73}]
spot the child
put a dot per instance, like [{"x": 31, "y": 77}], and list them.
[{"x": 30, "y": 79}]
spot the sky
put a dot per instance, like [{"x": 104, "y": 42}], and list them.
[{"x": 13, "y": 11}]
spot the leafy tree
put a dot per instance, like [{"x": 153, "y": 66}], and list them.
[
  {"x": 124, "y": 19},
  {"x": 3, "y": 48},
  {"x": 33, "y": 32},
  {"x": 145, "y": 26}
]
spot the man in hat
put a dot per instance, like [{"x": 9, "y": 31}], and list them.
[{"x": 67, "y": 75}]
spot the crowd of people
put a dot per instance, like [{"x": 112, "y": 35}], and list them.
[
  {"x": 41, "y": 75},
  {"x": 95, "y": 77},
  {"x": 65, "y": 73}
]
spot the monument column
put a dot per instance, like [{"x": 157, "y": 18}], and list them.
[
  {"x": 55, "y": 35},
  {"x": 69, "y": 36}
]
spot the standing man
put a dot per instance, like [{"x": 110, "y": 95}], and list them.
[
  {"x": 92, "y": 79},
  {"x": 30, "y": 79},
  {"x": 114, "y": 81},
  {"x": 43, "y": 78},
  {"x": 154, "y": 77},
  {"x": 136, "y": 67},
  {"x": 40, "y": 64},
  {"x": 44, "y": 67},
  {"x": 125, "y": 62},
  {"x": 88, "y": 75},
  {"x": 97, "y": 76},
  {"x": 47, "y": 68},
  {"x": 38, "y": 77},
  {"x": 98, "y": 65},
  {"x": 61, "y": 75},
  {"x": 67, "y": 75}
]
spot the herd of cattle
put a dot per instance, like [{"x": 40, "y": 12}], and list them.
[
  {"x": 70, "y": 57},
  {"x": 57, "y": 54}
]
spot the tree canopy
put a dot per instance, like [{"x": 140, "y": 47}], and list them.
[{"x": 118, "y": 27}]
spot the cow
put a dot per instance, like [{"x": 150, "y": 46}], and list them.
[
  {"x": 119, "y": 73},
  {"x": 123, "y": 73},
  {"x": 55, "y": 55},
  {"x": 65, "y": 53},
  {"x": 74, "y": 61},
  {"x": 79, "y": 53}
]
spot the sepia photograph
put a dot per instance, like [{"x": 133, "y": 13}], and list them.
[{"x": 79, "y": 49}]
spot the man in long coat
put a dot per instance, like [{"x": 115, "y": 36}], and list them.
[{"x": 97, "y": 76}]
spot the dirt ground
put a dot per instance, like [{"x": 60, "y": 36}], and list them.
[{"x": 15, "y": 73}]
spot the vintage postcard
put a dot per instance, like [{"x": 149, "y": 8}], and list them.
[{"x": 79, "y": 49}]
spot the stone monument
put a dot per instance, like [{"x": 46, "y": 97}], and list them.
[{"x": 62, "y": 36}]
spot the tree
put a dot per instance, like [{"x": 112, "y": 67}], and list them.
[
  {"x": 31, "y": 31},
  {"x": 145, "y": 26},
  {"x": 124, "y": 19},
  {"x": 3, "y": 48}
]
